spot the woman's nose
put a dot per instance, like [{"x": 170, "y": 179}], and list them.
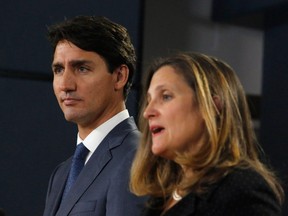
[{"x": 150, "y": 110}]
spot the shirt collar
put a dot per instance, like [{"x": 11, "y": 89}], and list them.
[{"x": 93, "y": 140}]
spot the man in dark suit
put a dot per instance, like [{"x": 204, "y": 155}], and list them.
[{"x": 93, "y": 65}]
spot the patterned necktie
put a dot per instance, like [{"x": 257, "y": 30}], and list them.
[{"x": 78, "y": 162}]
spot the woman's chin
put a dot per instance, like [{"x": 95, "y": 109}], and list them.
[{"x": 162, "y": 152}]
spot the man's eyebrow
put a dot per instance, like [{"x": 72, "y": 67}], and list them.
[
  {"x": 56, "y": 64},
  {"x": 73, "y": 63}
]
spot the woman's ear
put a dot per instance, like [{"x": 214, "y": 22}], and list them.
[
  {"x": 218, "y": 103},
  {"x": 121, "y": 77}
]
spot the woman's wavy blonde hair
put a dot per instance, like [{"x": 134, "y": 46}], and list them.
[{"x": 231, "y": 143}]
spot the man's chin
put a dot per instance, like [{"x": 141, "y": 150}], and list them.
[{"x": 70, "y": 118}]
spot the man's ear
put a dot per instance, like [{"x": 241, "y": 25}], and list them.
[{"x": 121, "y": 77}]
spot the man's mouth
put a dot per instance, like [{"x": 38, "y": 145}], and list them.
[{"x": 70, "y": 101}]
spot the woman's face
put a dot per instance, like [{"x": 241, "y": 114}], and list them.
[{"x": 174, "y": 118}]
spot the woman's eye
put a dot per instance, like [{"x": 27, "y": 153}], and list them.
[{"x": 167, "y": 97}]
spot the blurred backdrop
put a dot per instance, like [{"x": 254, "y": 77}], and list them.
[{"x": 251, "y": 35}]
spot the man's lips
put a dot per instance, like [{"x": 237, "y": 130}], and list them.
[{"x": 70, "y": 101}]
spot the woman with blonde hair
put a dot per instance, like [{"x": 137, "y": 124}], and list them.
[{"x": 198, "y": 154}]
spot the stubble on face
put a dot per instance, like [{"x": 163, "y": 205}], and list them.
[{"x": 84, "y": 87}]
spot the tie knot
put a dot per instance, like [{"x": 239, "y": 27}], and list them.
[{"x": 81, "y": 152}]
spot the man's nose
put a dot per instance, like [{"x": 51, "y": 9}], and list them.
[{"x": 67, "y": 81}]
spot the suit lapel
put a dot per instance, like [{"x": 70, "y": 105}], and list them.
[
  {"x": 95, "y": 165},
  {"x": 56, "y": 199}
]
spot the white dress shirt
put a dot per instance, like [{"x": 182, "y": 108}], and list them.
[{"x": 93, "y": 140}]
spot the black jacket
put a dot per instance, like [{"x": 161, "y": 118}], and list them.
[{"x": 241, "y": 193}]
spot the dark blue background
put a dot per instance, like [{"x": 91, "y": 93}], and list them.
[
  {"x": 34, "y": 134},
  {"x": 271, "y": 17}
]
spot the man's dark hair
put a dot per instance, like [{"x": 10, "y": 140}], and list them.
[{"x": 98, "y": 34}]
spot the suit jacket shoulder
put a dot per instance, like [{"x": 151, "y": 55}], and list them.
[{"x": 102, "y": 187}]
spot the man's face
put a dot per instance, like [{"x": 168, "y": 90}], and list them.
[{"x": 83, "y": 85}]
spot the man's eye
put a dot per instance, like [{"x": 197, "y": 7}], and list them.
[
  {"x": 57, "y": 70},
  {"x": 82, "y": 69}
]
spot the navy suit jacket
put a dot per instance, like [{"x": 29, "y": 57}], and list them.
[
  {"x": 102, "y": 187},
  {"x": 241, "y": 193}
]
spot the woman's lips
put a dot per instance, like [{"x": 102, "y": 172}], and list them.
[{"x": 156, "y": 129}]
